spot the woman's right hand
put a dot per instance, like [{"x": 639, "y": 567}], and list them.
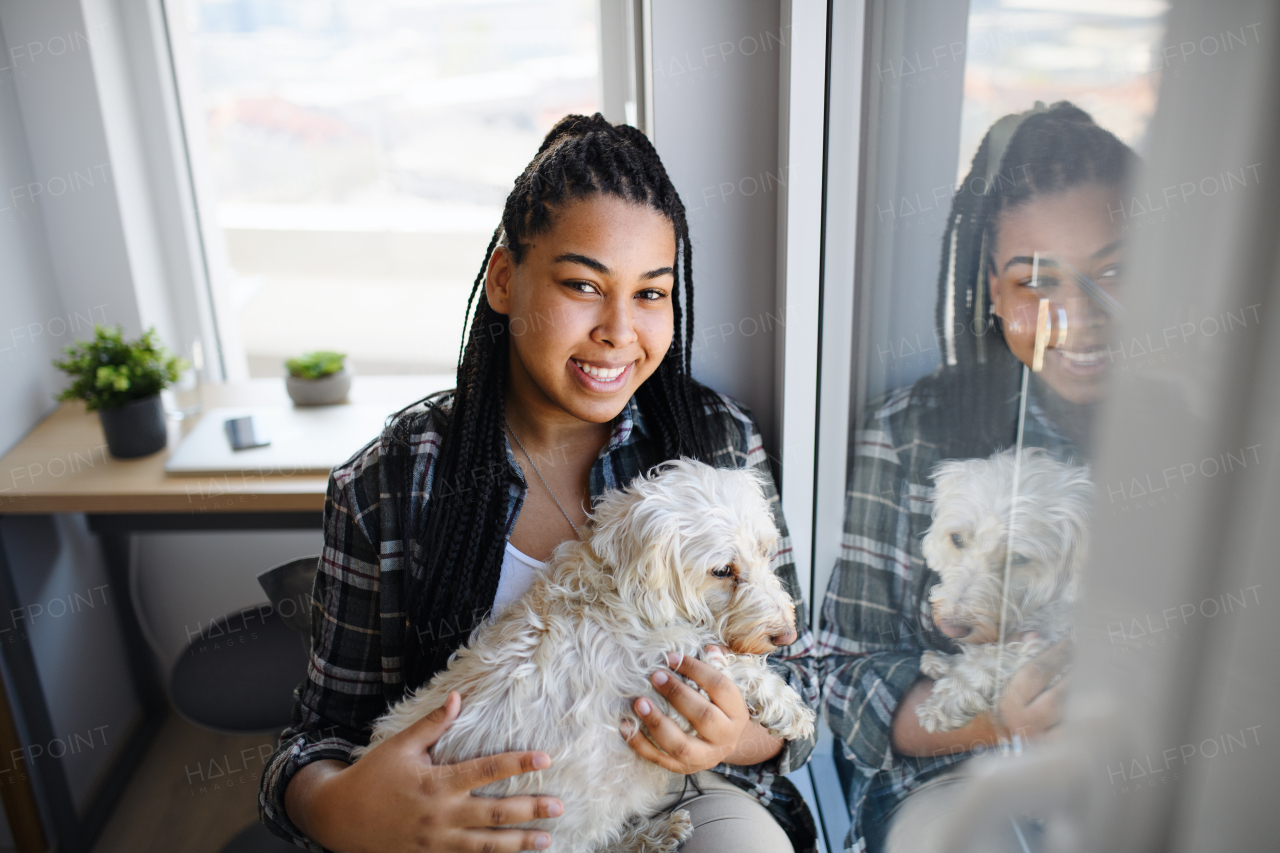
[
  {"x": 1027, "y": 709},
  {"x": 396, "y": 799}
]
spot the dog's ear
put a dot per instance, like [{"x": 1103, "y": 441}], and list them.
[
  {"x": 635, "y": 539},
  {"x": 950, "y": 474},
  {"x": 612, "y": 538},
  {"x": 636, "y": 533},
  {"x": 948, "y": 478},
  {"x": 628, "y": 523},
  {"x": 639, "y": 548}
]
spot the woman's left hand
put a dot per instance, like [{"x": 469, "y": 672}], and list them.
[{"x": 721, "y": 720}]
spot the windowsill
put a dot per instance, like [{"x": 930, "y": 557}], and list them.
[{"x": 394, "y": 389}]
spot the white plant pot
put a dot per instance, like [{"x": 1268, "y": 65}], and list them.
[{"x": 325, "y": 391}]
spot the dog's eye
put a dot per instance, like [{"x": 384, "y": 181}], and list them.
[
  {"x": 957, "y": 540},
  {"x": 722, "y": 572},
  {"x": 1019, "y": 559}
]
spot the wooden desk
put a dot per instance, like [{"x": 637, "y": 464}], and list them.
[{"x": 62, "y": 466}]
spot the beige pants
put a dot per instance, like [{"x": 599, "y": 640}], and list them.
[
  {"x": 924, "y": 815},
  {"x": 726, "y": 819}
]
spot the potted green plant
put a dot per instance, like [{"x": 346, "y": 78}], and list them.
[
  {"x": 122, "y": 380},
  {"x": 319, "y": 378}
]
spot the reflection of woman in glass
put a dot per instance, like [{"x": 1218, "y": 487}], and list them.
[{"x": 1034, "y": 219}]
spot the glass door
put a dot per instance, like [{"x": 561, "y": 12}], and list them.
[{"x": 1038, "y": 415}]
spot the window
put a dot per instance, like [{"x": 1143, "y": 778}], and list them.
[
  {"x": 934, "y": 94},
  {"x": 987, "y": 196},
  {"x": 1101, "y": 56},
  {"x": 352, "y": 157}
]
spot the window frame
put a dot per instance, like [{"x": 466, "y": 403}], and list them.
[
  {"x": 1116, "y": 715},
  {"x": 622, "y": 31},
  {"x": 841, "y": 286}
]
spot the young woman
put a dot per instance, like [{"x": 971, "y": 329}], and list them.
[
  {"x": 1032, "y": 221},
  {"x": 573, "y": 380}
]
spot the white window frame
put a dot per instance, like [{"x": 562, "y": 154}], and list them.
[
  {"x": 621, "y": 27},
  {"x": 626, "y": 62},
  {"x": 231, "y": 361},
  {"x": 839, "y": 264},
  {"x": 801, "y": 144}
]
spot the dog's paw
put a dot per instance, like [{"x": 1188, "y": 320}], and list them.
[
  {"x": 799, "y": 729},
  {"x": 934, "y": 717},
  {"x": 679, "y": 829},
  {"x": 661, "y": 834},
  {"x": 775, "y": 705},
  {"x": 934, "y": 664},
  {"x": 796, "y": 723},
  {"x": 950, "y": 706}
]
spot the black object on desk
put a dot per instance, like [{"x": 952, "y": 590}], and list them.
[{"x": 242, "y": 434}]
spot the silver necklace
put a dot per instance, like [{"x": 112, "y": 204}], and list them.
[{"x": 542, "y": 478}]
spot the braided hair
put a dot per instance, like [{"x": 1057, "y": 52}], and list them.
[
  {"x": 456, "y": 556},
  {"x": 1050, "y": 150}
]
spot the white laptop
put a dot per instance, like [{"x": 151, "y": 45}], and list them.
[{"x": 309, "y": 440}]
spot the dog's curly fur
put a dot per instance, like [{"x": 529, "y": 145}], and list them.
[
  {"x": 677, "y": 561},
  {"x": 999, "y": 629}
]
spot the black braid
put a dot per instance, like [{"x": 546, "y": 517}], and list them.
[
  {"x": 457, "y": 557},
  {"x": 1050, "y": 151}
]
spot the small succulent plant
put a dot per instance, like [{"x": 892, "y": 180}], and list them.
[{"x": 316, "y": 365}]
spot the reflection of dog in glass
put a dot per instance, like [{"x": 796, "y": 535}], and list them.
[
  {"x": 677, "y": 561},
  {"x": 978, "y": 533}
]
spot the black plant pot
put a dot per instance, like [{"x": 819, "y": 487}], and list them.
[{"x": 135, "y": 429}]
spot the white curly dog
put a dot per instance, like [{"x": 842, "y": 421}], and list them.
[
  {"x": 678, "y": 560},
  {"x": 980, "y": 531}
]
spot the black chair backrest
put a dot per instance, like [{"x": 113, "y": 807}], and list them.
[
  {"x": 239, "y": 674},
  {"x": 288, "y": 588}
]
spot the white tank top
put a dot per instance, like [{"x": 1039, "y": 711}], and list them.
[{"x": 518, "y": 572}]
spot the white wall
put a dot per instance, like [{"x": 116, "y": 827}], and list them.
[
  {"x": 737, "y": 107},
  {"x": 49, "y": 298},
  {"x": 73, "y": 177},
  {"x": 91, "y": 100},
  {"x": 35, "y": 325},
  {"x": 29, "y": 304},
  {"x": 715, "y": 117}
]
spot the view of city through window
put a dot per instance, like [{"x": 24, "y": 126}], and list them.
[
  {"x": 1102, "y": 55},
  {"x": 356, "y": 155}
]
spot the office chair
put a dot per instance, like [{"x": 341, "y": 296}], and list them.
[{"x": 239, "y": 674}]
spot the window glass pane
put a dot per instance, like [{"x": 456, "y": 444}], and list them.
[
  {"x": 360, "y": 152},
  {"x": 999, "y": 141},
  {"x": 1022, "y": 52}
]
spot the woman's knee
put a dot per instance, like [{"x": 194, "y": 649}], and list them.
[{"x": 726, "y": 823}]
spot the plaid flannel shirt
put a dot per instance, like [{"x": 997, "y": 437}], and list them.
[
  {"x": 359, "y": 623},
  {"x": 876, "y": 618}
]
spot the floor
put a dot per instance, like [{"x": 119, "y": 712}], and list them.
[{"x": 194, "y": 791}]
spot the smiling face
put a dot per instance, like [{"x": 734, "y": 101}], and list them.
[
  {"x": 1070, "y": 230},
  {"x": 589, "y": 307}
]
